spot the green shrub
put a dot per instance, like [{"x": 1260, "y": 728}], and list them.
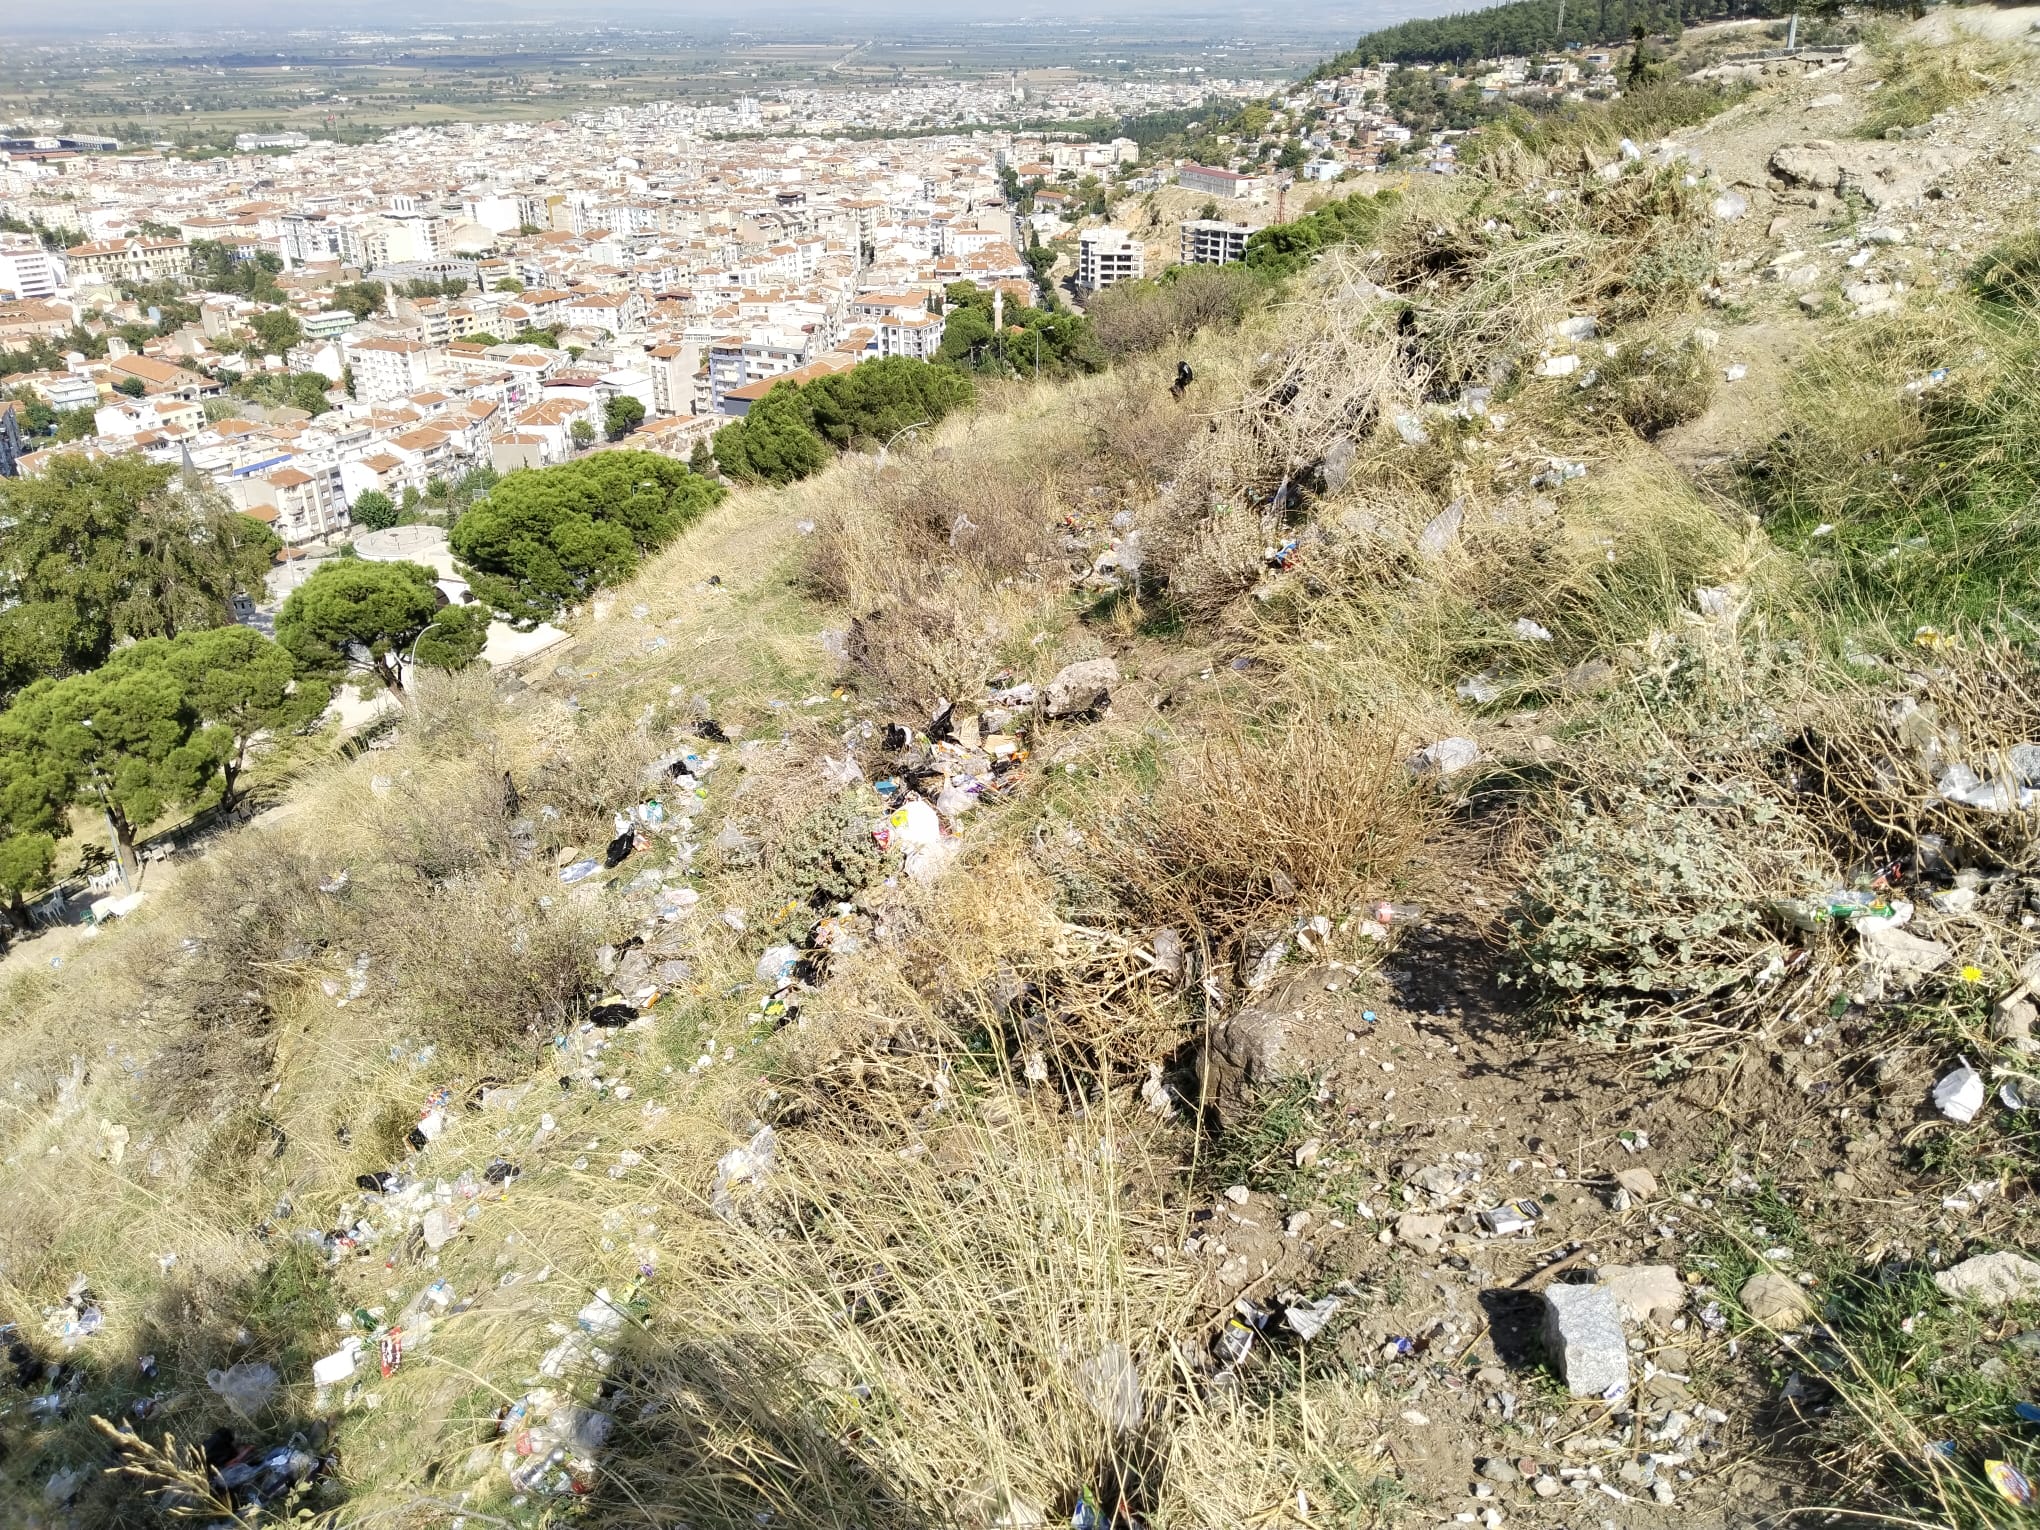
[
  {"x": 825, "y": 858},
  {"x": 544, "y": 538},
  {"x": 1282, "y": 248},
  {"x": 1645, "y": 904}
]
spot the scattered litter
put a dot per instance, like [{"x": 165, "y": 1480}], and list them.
[
  {"x": 743, "y": 1168},
  {"x": 1959, "y": 1095},
  {"x": 1308, "y": 1319},
  {"x": 246, "y": 1388},
  {"x": 2010, "y": 1482},
  {"x": 579, "y": 871},
  {"x": 338, "y": 1366},
  {"x": 1512, "y": 1216}
]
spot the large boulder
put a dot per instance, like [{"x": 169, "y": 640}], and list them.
[{"x": 1882, "y": 174}]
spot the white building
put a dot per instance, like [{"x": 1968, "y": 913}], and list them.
[
  {"x": 386, "y": 369},
  {"x": 1105, "y": 256},
  {"x": 27, "y": 270}
]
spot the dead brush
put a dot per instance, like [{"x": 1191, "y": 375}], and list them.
[
  {"x": 971, "y": 1284},
  {"x": 491, "y": 966},
  {"x": 1313, "y": 413},
  {"x": 968, "y": 1284},
  {"x": 1873, "y": 755},
  {"x": 1305, "y": 810},
  {"x": 452, "y": 714},
  {"x": 598, "y": 773},
  {"x": 442, "y": 820}
]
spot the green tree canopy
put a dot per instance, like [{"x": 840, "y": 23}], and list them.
[
  {"x": 92, "y": 553},
  {"x": 276, "y": 330},
  {"x": 373, "y": 510},
  {"x": 455, "y": 638},
  {"x": 360, "y": 615},
  {"x": 292, "y": 390},
  {"x": 128, "y": 739},
  {"x": 622, "y": 415},
  {"x": 582, "y": 433},
  {"x": 548, "y": 536},
  {"x": 34, "y": 794},
  {"x": 789, "y": 432},
  {"x": 1282, "y": 248},
  {"x": 239, "y": 684},
  {"x": 775, "y": 442},
  {"x": 359, "y": 298}
]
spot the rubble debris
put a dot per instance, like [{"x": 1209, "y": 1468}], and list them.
[
  {"x": 1081, "y": 688},
  {"x": 1583, "y": 1336},
  {"x": 1648, "y": 1293},
  {"x": 1991, "y": 1280}
]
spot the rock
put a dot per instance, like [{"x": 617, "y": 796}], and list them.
[
  {"x": 1420, "y": 1231},
  {"x": 1862, "y": 293},
  {"x": 1991, "y": 1279},
  {"x": 1883, "y": 174},
  {"x": 1085, "y": 686},
  {"x": 1588, "y": 677},
  {"x": 1546, "y": 1486},
  {"x": 1444, "y": 758},
  {"x": 2012, "y": 1017},
  {"x": 1640, "y": 1183},
  {"x": 1648, "y": 1293},
  {"x": 1903, "y": 951},
  {"x": 1774, "y": 1300},
  {"x": 1496, "y": 1469},
  {"x": 1583, "y": 1336}
]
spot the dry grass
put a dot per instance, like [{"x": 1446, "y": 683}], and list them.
[
  {"x": 907, "y": 1329},
  {"x": 1304, "y": 810}
]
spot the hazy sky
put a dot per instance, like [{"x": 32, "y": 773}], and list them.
[{"x": 162, "y": 16}]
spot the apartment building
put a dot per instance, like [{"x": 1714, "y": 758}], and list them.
[
  {"x": 1214, "y": 182},
  {"x": 27, "y": 270},
  {"x": 1213, "y": 242},
  {"x": 299, "y": 506},
  {"x": 1107, "y": 255},
  {"x": 131, "y": 260},
  {"x": 615, "y": 313},
  {"x": 387, "y": 369},
  {"x": 736, "y": 361}
]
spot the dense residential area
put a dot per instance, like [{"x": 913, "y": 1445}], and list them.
[{"x": 307, "y": 322}]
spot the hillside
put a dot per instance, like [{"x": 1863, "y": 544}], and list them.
[{"x": 1439, "y": 929}]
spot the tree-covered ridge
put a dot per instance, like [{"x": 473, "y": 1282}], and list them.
[{"x": 1529, "y": 26}]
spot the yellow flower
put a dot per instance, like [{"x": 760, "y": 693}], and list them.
[{"x": 1972, "y": 974}]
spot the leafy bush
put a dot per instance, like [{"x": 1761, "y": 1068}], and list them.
[
  {"x": 546, "y": 537},
  {"x": 1281, "y": 248},
  {"x": 826, "y": 858},
  {"x": 788, "y": 433},
  {"x": 1649, "y": 904}
]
